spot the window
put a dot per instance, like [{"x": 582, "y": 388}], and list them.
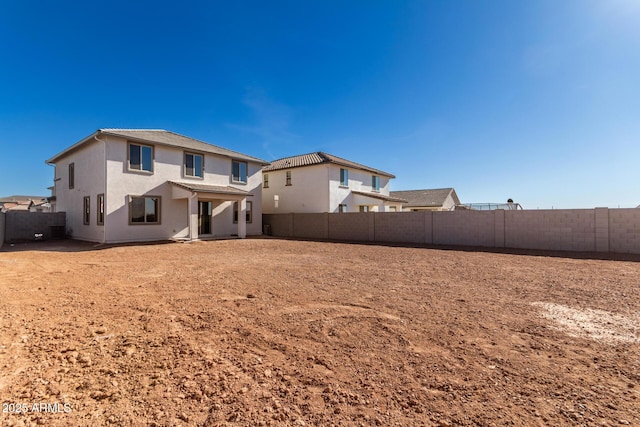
[
  {"x": 100, "y": 209},
  {"x": 249, "y": 212},
  {"x": 344, "y": 177},
  {"x": 265, "y": 180},
  {"x": 364, "y": 208},
  {"x": 239, "y": 171},
  {"x": 144, "y": 210},
  {"x": 72, "y": 175},
  {"x": 392, "y": 209},
  {"x": 375, "y": 183},
  {"x": 141, "y": 157},
  {"x": 288, "y": 178},
  {"x": 342, "y": 208},
  {"x": 87, "y": 210},
  {"x": 193, "y": 165}
]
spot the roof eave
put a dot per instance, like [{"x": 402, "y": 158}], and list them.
[
  {"x": 74, "y": 147},
  {"x": 151, "y": 141}
]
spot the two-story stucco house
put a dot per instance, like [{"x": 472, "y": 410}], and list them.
[
  {"x": 132, "y": 185},
  {"x": 321, "y": 182}
]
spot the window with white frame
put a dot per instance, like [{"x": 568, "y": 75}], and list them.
[
  {"x": 265, "y": 180},
  {"x": 364, "y": 208},
  {"x": 140, "y": 157},
  {"x": 239, "y": 171},
  {"x": 144, "y": 210},
  {"x": 193, "y": 165},
  {"x": 344, "y": 177},
  {"x": 342, "y": 208},
  {"x": 288, "y": 178}
]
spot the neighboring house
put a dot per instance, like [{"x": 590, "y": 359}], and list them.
[
  {"x": 131, "y": 185},
  {"x": 25, "y": 203},
  {"x": 439, "y": 199},
  {"x": 321, "y": 182}
]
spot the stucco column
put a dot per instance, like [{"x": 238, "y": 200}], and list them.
[
  {"x": 192, "y": 210},
  {"x": 242, "y": 218}
]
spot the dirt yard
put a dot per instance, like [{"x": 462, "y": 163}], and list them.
[{"x": 290, "y": 333}]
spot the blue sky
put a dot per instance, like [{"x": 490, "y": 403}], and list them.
[{"x": 537, "y": 100}]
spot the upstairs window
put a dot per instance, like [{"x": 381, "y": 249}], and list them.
[
  {"x": 265, "y": 180},
  {"x": 193, "y": 165},
  {"x": 141, "y": 157},
  {"x": 239, "y": 172},
  {"x": 72, "y": 175},
  {"x": 344, "y": 177},
  {"x": 288, "y": 178},
  {"x": 375, "y": 183}
]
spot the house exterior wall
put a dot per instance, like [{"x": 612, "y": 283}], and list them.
[
  {"x": 174, "y": 220},
  {"x": 358, "y": 181},
  {"x": 317, "y": 189},
  {"x": 101, "y": 167},
  {"x": 89, "y": 180},
  {"x": 308, "y": 192}
]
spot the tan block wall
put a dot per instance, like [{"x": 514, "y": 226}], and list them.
[
  {"x": 406, "y": 227},
  {"x": 311, "y": 225},
  {"x": 349, "y": 226},
  {"x": 2, "y": 222},
  {"x": 561, "y": 229},
  {"x": 281, "y": 224},
  {"x": 464, "y": 228},
  {"x": 624, "y": 230},
  {"x": 581, "y": 230}
]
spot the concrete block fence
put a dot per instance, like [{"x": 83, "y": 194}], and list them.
[
  {"x": 2, "y": 220},
  {"x": 580, "y": 230},
  {"x": 20, "y": 225}
]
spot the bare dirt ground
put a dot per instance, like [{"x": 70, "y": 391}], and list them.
[{"x": 276, "y": 332}]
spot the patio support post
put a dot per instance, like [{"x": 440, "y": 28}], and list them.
[
  {"x": 242, "y": 218},
  {"x": 192, "y": 210}
]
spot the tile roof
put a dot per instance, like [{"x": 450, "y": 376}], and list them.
[
  {"x": 215, "y": 189},
  {"x": 318, "y": 158},
  {"x": 430, "y": 197},
  {"x": 163, "y": 137}
]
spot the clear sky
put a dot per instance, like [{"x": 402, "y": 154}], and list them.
[{"x": 536, "y": 100}]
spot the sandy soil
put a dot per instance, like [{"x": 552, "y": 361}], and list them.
[{"x": 276, "y": 332}]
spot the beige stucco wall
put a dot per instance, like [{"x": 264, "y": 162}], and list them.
[
  {"x": 307, "y": 193},
  {"x": 581, "y": 230},
  {"x": 94, "y": 175},
  {"x": 168, "y": 165},
  {"x": 89, "y": 174},
  {"x": 317, "y": 189}
]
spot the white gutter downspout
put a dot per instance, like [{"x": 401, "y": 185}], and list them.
[{"x": 104, "y": 190}]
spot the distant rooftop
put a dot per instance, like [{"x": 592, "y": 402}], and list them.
[
  {"x": 427, "y": 197},
  {"x": 319, "y": 158}
]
